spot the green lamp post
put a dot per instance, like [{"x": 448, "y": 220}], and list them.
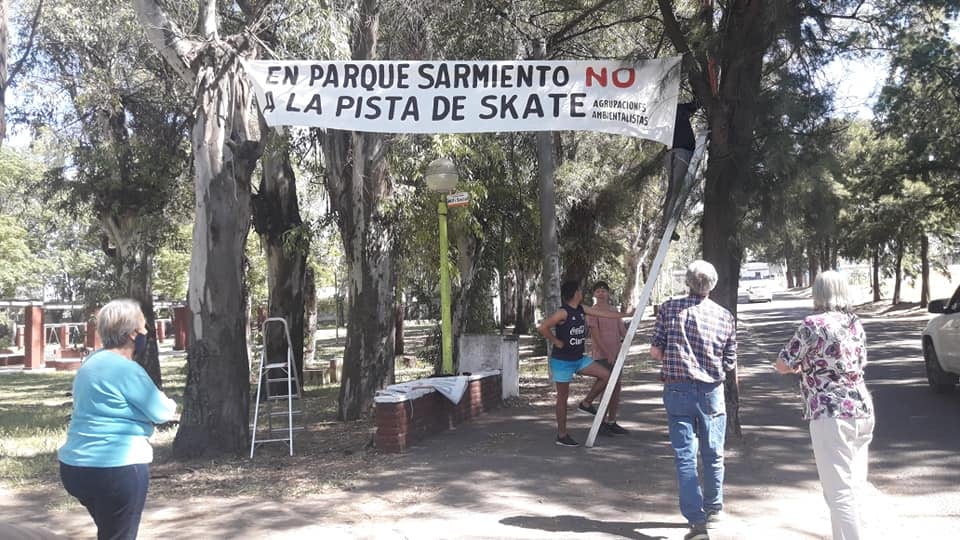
[{"x": 442, "y": 177}]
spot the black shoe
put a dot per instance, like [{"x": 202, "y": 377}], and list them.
[
  {"x": 588, "y": 409},
  {"x": 615, "y": 428},
  {"x": 697, "y": 532},
  {"x": 675, "y": 236},
  {"x": 566, "y": 440},
  {"x": 605, "y": 430}
]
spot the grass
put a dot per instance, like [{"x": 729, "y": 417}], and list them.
[{"x": 35, "y": 409}]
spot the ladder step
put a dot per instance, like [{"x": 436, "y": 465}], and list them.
[
  {"x": 282, "y": 379},
  {"x": 262, "y": 441},
  {"x": 284, "y": 413},
  {"x": 285, "y": 396},
  {"x": 276, "y": 365},
  {"x": 282, "y": 429}
]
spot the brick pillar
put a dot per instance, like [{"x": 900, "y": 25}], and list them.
[
  {"x": 161, "y": 331},
  {"x": 92, "y": 339},
  {"x": 33, "y": 337},
  {"x": 19, "y": 337},
  {"x": 181, "y": 315}
]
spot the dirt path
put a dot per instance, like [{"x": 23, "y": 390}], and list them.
[{"x": 501, "y": 476}]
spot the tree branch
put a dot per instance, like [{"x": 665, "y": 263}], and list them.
[
  {"x": 168, "y": 38},
  {"x": 18, "y": 65},
  {"x": 560, "y": 35},
  {"x": 701, "y": 87}
]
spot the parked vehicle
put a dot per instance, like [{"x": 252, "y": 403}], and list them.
[
  {"x": 941, "y": 344},
  {"x": 756, "y": 283}
]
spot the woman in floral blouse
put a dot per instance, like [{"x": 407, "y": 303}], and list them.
[{"x": 829, "y": 352}]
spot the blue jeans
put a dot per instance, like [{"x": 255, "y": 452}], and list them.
[
  {"x": 698, "y": 421},
  {"x": 114, "y": 496}
]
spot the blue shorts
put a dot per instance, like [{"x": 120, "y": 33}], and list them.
[{"x": 563, "y": 370}]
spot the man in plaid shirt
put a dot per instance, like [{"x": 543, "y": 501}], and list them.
[{"x": 695, "y": 339}]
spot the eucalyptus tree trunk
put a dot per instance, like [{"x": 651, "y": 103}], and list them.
[
  {"x": 897, "y": 271},
  {"x": 226, "y": 144},
  {"x": 470, "y": 251},
  {"x": 522, "y": 321},
  {"x": 4, "y": 53},
  {"x": 276, "y": 218},
  {"x": 131, "y": 244},
  {"x": 133, "y": 258},
  {"x": 924, "y": 270},
  {"x": 875, "y": 269},
  {"x": 310, "y": 316},
  {"x": 360, "y": 191},
  {"x": 549, "y": 239}
]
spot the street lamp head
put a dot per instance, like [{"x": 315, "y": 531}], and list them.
[{"x": 442, "y": 175}]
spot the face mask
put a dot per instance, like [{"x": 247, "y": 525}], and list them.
[{"x": 139, "y": 344}]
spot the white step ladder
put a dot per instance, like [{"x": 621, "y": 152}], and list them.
[{"x": 274, "y": 372}]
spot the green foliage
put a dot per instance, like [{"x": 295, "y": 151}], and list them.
[
  {"x": 256, "y": 272},
  {"x": 18, "y": 267},
  {"x": 172, "y": 266}
]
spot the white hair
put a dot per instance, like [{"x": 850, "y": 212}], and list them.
[
  {"x": 830, "y": 292},
  {"x": 701, "y": 277},
  {"x": 116, "y": 320}
]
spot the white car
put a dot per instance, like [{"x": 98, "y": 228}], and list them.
[
  {"x": 941, "y": 344},
  {"x": 754, "y": 292}
]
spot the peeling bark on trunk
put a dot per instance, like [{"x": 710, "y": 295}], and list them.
[
  {"x": 225, "y": 147},
  {"x": 360, "y": 191},
  {"x": 359, "y": 186},
  {"x": 277, "y": 213},
  {"x": 133, "y": 260},
  {"x": 226, "y": 144}
]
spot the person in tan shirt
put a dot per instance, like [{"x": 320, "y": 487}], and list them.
[{"x": 606, "y": 335}]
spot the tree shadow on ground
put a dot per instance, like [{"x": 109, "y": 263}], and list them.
[{"x": 582, "y": 524}]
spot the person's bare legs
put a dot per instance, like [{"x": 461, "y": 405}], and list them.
[
  {"x": 563, "y": 390},
  {"x": 614, "y": 401},
  {"x": 601, "y": 374}
]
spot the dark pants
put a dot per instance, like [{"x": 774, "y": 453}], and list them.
[{"x": 114, "y": 496}]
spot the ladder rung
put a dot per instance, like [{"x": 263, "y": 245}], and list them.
[
  {"x": 282, "y": 429},
  {"x": 276, "y": 365},
  {"x": 284, "y": 379},
  {"x": 284, "y": 439},
  {"x": 284, "y": 413},
  {"x": 285, "y": 396}
]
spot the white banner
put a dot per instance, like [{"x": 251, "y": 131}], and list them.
[{"x": 636, "y": 99}]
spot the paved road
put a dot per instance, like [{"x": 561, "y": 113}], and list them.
[
  {"x": 915, "y": 455},
  {"x": 501, "y": 477}
]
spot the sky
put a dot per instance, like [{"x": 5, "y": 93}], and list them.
[{"x": 858, "y": 83}]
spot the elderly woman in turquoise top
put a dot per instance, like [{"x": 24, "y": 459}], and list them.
[
  {"x": 829, "y": 353},
  {"x": 105, "y": 461}
]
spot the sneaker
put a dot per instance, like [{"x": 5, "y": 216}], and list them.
[
  {"x": 566, "y": 440},
  {"x": 615, "y": 428},
  {"x": 697, "y": 532},
  {"x": 715, "y": 517},
  {"x": 605, "y": 430},
  {"x": 588, "y": 409}
]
